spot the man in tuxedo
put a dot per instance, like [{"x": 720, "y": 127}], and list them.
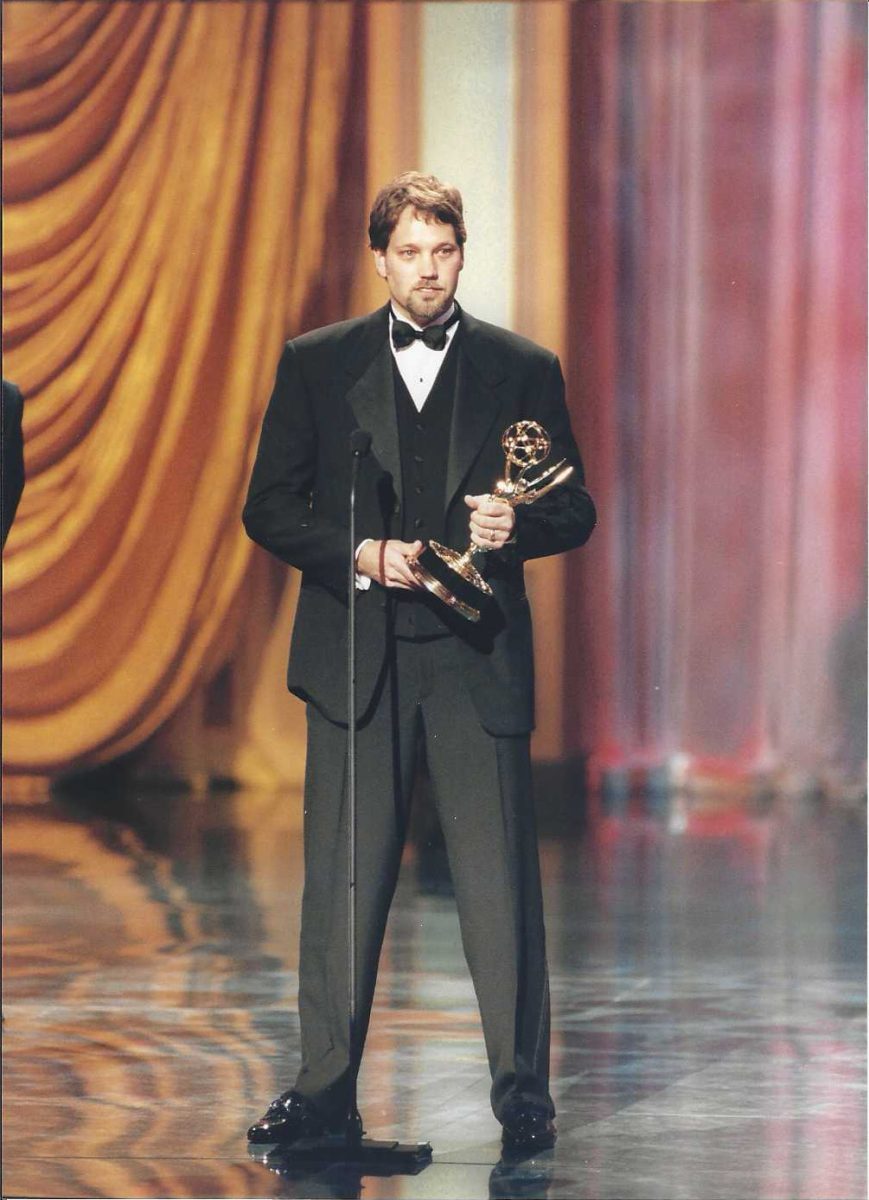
[{"x": 435, "y": 388}]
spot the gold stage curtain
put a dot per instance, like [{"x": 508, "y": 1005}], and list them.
[{"x": 169, "y": 176}]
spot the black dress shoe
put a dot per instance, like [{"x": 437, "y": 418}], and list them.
[
  {"x": 527, "y": 1128},
  {"x": 292, "y": 1117}
]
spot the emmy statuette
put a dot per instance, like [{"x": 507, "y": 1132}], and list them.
[{"x": 452, "y": 576}]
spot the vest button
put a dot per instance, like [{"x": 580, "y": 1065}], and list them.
[
  {"x": 419, "y": 489},
  {"x": 418, "y": 523}
]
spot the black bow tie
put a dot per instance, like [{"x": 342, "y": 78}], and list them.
[{"x": 434, "y": 336}]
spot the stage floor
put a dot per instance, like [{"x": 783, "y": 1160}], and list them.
[{"x": 707, "y": 963}]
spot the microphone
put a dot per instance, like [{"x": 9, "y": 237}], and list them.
[{"x": 360, "y": 442}]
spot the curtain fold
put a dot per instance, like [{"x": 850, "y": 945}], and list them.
[
  {"x": 169, "y": 172},
  {"x": 718, "y": 229}
]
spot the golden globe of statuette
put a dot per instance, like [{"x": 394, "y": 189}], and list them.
[{"x": 452, "y": 576}]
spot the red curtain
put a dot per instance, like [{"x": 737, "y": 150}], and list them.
[{"x": 718, "y": 363}]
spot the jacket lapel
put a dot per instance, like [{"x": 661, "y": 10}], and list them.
[
  {"x": 371, "y": 396},
  {"x": 477, "y": 403}
]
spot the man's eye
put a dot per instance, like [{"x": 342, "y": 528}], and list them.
[
  {"x": 406, "y": 253},
  {"x": 446, "y": 251}
]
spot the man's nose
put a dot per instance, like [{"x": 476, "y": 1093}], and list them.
[{"x": 428, "y": 267}]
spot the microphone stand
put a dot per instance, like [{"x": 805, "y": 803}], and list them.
[{"x": 351, "y": 1147}]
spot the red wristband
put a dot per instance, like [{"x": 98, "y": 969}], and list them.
[{"x": 383, "y": 562}]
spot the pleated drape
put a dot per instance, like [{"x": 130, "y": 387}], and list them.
[
  {"x": 169, "y": 173},
  {"x": 717, "y": 365}
]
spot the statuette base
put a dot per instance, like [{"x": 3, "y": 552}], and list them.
[{"x": 452, "y": 577}]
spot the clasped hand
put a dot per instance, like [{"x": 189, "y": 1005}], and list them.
[{"x": 491, "y": 525}]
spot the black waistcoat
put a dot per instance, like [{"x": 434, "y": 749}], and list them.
[{"x": 424, "y": 439}]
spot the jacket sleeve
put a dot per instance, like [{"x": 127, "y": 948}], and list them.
[
  {"x": 565, "y": 517},
  {"x": 13, "y": 454},
  {"x": 278, "y": 513}
]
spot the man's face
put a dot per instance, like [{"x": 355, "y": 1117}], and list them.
[{"x": 421, "y": 267}]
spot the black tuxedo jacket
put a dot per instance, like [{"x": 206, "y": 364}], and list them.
[
  {"x": 13, "y": 454},
  {"x": 338, "y": 379}
]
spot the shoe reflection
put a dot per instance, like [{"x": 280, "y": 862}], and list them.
[
  {"x": 527, "y": 1177},
  {"x": 332, "y": 1182},
  {"x": 515, "y": 1176},
  {"x": 342, "y": 1181}
]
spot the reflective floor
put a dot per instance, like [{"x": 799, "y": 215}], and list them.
[{"x": 708, "y": 979}]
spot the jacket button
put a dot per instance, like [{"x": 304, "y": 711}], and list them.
[
  {"x": 418, "y": 523},
  {"x": 397, "y": 509}
]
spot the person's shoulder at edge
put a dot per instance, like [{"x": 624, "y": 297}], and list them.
[
  {"x": 502, "y": 341},
  {"x": 339, "y": 333},
  {"x": 326, "y": 351},
  {"x": 13, "y": 402}
]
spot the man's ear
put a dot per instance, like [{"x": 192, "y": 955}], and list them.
[{"x": 380, "y": 263}]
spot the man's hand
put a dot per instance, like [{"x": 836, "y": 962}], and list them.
[
  {"x": 393, "y": 556},
  {"x": 492, "y": 521}
]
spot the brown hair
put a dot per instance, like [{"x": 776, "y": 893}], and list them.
[{"x": 426, "y": 195}]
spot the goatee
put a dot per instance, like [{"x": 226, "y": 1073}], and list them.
[{"x": 426, "y": 311}]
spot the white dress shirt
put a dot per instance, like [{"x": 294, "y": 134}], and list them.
[{"x": 418, "y": 364}]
